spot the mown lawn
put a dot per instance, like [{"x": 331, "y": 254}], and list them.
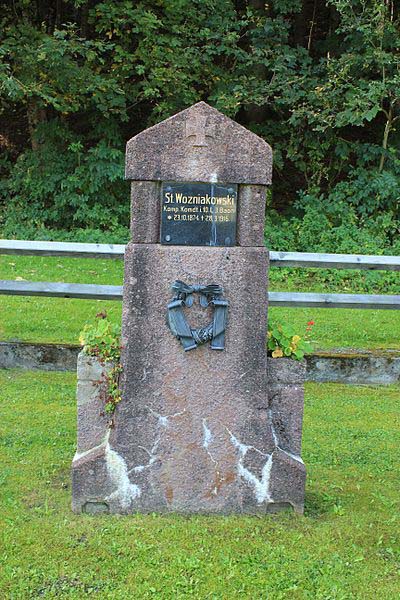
[
  {"x": 346, "y": 546},
  {"x": 58, "y": 320}
]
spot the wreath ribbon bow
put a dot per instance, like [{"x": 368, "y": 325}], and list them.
[
  {"x": 210, "y": 295},
  {"x": 185, "y": 292}
]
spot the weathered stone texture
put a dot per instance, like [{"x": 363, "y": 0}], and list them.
[
  {"x": 251, "y": 217},
  {"x": 190, "y": 411},
  {"x": 199, "y": 144},
  {"x": 145, "y": 212},
  {"x": 356, "y": 366},
  {"x": 91, "y": 390},
  {"x": 45, "y": 357},
  {"x": 286, "y": 401},
  {"x": 91, "y": 484},
  {"x": 194, "y": 431},
  {"x": 89, "y": 477},
  {"x": 286, "y": 371},
  {"x": 288, "y": 478}
]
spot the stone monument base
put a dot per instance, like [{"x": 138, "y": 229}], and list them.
[{"x": 102, "y": 483}]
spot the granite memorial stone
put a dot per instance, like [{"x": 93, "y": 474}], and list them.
[{"x": 196, "y": 430}]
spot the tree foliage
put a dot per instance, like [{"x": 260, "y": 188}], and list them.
[{"x": 320, "y": 80}]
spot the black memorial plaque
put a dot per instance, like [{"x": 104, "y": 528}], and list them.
[{"x": 198, "y": 214}]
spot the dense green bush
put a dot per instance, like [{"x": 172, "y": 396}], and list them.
[
  {"x": 61, "y": 185},
  {"x": 318, "y": 79}
]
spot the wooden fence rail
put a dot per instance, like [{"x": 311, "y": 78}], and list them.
[
  {"x": 278, "y": 259},
  {"x": 114, "y": 292},
  {"x": 66, "y": 249}
]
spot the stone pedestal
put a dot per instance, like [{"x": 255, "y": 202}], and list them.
[
  {"x": 89, "y": 473},
  {"x": 105, "y": 481},
  {"x": 195, "y": 431}
]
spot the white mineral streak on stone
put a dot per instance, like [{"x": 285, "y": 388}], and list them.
[
  {"x": 295, "y": 457},
  {"x": 162, "y": 422},
  {"x": 117, "y": 470},
  {"x": 261, "y": 486},
  {"x": 163, "y": 419},
  {"x": 207, "y": 435},
  {"x": 276, "y": 441},
  {"x": 79, "y": 455},
  {"x": 152, "y": 457},
  {"x": 207, "y": 438},
  {"x": 275, "y": 437}
]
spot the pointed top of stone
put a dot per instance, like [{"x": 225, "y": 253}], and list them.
[{"x": 199, "y": 144}]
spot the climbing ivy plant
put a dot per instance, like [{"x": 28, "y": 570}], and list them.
[{"x": 102, "y": 339}]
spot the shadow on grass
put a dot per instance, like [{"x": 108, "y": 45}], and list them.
[{"x": 318, "y": 504}]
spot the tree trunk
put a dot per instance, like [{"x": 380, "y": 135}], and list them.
[
  {"x": 386, "y": 132},
  {"x": 36, "y": 115},
  {"x": 254, "y": 113}
]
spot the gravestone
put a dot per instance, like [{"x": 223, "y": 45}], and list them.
[{"x": 195, "y": 431}]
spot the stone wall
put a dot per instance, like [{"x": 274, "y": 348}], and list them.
[{"x": 358, "y": 367}]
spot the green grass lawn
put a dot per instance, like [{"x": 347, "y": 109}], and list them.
[
  {"x": 58, "y": 320},
  {"x": 346, "y": 546}
]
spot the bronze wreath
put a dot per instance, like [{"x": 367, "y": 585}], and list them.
[{"x": 214, "y": 332}]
